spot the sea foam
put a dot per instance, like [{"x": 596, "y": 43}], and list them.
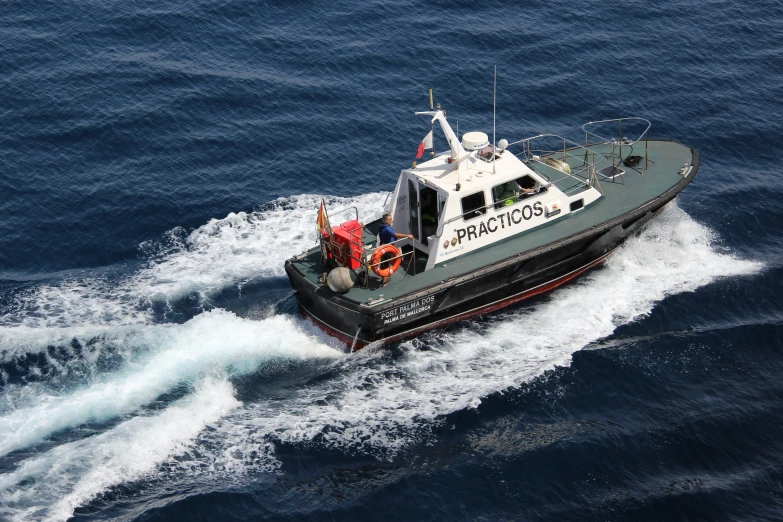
[
  {"x": 371, "y": 402},
  {"x": 225, "y": 252}
]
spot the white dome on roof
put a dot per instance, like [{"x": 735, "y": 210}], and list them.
[{"x": 475, "y": 140}]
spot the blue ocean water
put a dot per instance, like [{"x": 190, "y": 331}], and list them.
[{"x": 159, "y": 162}]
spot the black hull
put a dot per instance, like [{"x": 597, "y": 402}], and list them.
[{"x": 492, "y": 287}]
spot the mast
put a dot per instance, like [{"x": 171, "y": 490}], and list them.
[
  {"x": 432, "y": 127},
  {"x": 457, "y": 152},
  {"x": 494, "y": 104}
]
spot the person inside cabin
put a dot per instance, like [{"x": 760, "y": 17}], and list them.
[
  {"x": 506, "y": 194},
  {"x": 512, "y": 191},
  {"x": 527, "y": 186},
  {"x": 387, "y": 235}
]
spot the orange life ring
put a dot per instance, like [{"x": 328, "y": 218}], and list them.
[{"x": 377, "y": 258}]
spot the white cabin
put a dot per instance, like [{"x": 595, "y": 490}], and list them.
[{"x": 473, "y": 196}]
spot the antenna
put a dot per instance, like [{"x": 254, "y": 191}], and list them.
[
  {"x": 432, "y": 127},
  {"x": 494, "y": 103},
  {"x": 459, "y": 162}
]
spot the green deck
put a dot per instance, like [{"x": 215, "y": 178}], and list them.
[{"x": 665, "y": 158}]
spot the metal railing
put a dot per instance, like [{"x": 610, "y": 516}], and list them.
[
  {"x": 367, "y": 259},
  {"x": 582, "y": 165},
  {"x": 619, "y": 140},
  {"x": 341, "y": 211},
  {"x": 619, "y": 121},
  {"x": 341, "y": 253}
]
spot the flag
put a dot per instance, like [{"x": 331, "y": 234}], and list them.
[
  {"x": 426, "y": 143},
  {"x": 322, "y": 222}
]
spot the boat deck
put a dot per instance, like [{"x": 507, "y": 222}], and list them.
[{"x": 665, "y": 160}]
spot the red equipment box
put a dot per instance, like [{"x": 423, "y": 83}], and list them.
[{"x": 348, "y": 240}]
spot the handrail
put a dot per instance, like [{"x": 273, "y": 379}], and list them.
[
  {"x": 366, "y": 259},
  {"x": 346, "y": 209},
  {"x": 392, "y": 243},
  {"x": 621, "y": 140},
  {"x": 620, "y": 126},
  {"x": 402, "y": 254},
  {"x": 589, "y": 160},
  {"x": 364, "y": 250},
  {"x": 528, "y": 150}
]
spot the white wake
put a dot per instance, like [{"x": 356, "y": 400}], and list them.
[
  {"x": 367, "y": 402},
  {"x": 224, "y": 252}
]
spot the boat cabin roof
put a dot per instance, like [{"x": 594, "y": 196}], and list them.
[{"x": 477, "y": 170}]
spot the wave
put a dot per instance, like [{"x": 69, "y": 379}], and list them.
[
  {"x": 375, "y": 402},
  {"x": 226, "y": 252},
  {"x": 385, "y": 406},
  {"x": 52, "y": 485},
  {"x": 173, "y": 355}
]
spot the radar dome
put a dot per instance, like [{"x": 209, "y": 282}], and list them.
[{"x": 475, "y": 140}]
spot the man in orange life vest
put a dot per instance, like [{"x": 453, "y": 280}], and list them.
[{"x": 388, "y": 235}]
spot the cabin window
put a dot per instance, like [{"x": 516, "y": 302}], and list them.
[
  {"x": 576, "y": 205},
  {"x": 473, "y": 206},
  {"x": 516, "y": 190}
]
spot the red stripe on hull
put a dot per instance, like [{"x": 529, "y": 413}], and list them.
[{"x": 459, "y": 317}]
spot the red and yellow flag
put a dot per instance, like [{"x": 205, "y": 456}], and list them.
[{"x": 322, "y": 222}]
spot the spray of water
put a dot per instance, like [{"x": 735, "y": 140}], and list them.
[
  {"x": 174, "y": 354},
  {"x": 368, "y": 402},
  {"x": 224, "y": 252},
  {"x": 384, "y": 406},
  {"x": 72, "y": 474}
]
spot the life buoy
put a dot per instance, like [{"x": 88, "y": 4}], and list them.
[{"x": 377, "y": 257}]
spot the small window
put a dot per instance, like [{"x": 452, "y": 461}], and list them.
[
  {"x": 576, "y": 205},
  {"x": 473, "y": 206},
  {"x": 513, "y": 191}
]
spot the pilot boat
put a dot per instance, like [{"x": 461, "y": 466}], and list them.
[{"x": 491, "y": 225}]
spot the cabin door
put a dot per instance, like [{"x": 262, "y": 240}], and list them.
[
  {"x": 425, "y": 207},
  {"x": 429, "y": 212},
  {"x": 413, "y": 200}
]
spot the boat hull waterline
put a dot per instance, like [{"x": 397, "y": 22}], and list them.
[{"x": 357, "y": 344}]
